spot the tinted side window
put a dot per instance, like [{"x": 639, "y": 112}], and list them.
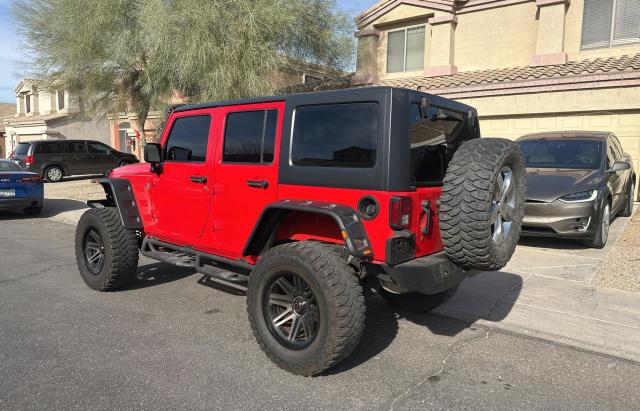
[
  {"x": 336, "y": 135},
  {"x": 98, "y": 148},
  {"x": 73, "y": 147},
  {"x": 249, "y": 136},
  {"x": 188, "y": 139},
  {"x": 47, "y": 148}
]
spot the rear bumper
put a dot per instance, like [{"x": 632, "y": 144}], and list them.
[
  {"x": 429, "y": 275},
  {"x": 19, "y": 202},
  {"x": 562, "y": 220}
]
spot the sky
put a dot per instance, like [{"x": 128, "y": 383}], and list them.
[{"x": 11, "y": 58}]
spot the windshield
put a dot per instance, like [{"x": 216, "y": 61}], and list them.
[
  {"x": 22, "y": 148},
  {"x": 583, "y": 154},
  {"x": 9, "y": 166}
]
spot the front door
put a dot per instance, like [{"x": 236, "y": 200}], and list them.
[
  {"x": 181, "y": 191},
  {"x": 246, "y": 173}
]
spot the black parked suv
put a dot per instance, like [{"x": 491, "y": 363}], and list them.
[{"x": 56, "y": 159}]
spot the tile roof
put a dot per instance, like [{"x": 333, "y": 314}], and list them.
[
  {"x": 572, "y": 68},
  {"x": 13, "y": 121},
  {"x": 6, "y": 110},
  {"x": 617, "y": 71}
]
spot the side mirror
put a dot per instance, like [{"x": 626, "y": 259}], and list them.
[
  {"x": 152, "y": 153},
  {"x": 620, "y": 166}
]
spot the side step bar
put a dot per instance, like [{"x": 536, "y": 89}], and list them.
[{"x": 207, "y": 264}]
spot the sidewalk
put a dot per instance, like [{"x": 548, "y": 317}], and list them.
[{"x": 546, "y": 291}]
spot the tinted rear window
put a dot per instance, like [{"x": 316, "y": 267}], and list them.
[
  {"x": 582, "y": 154},
  {"x": 433, "y": 141},
  {"x": 48, "y": 148},
  {"x": 22, "y": 148},
  {"x": 336, "y": 135}
]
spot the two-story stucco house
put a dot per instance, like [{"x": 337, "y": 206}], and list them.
[
  {"x": 526, "y": 65},
  {"x": 45, "y": 112}
]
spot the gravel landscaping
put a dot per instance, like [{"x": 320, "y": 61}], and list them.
[
  {"x": 621, "y": 267},
  {"x": 76, "y": 189}
]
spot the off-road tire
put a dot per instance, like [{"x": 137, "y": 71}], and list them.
[
  {"x": 36, "y": 210},
  {"x": 466, "y": 203},
  {"x": 120, "y": 249},
  {"x": 50, "y": 178},
  {"x": 339, "y": 299},
  {"x": 416, "y": 302},
  {"x": 627, "y": 211}
]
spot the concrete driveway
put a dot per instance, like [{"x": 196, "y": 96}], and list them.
[{"x": 546, "y": 290}]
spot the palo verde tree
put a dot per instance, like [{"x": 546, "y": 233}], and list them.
[{"x": 133, "y": 54}]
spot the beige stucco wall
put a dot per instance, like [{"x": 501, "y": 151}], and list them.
[{"x": 496, "y": 38}]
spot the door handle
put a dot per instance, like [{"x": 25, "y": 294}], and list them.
[
  {"x": 198, "y": 179},
  {"x": 258, "y": 183}
]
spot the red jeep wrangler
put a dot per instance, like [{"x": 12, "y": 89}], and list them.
[{"x": 301, "y": 197}]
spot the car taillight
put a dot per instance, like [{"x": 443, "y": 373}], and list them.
[
  {"x": 400, "y": 213},
  {"x": 31, "y": 179},
  {"x": 28, "y": 160}
]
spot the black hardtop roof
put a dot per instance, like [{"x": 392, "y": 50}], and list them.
[
  {"x": 309, "y": 95},
  {"x": 572, "y": 134}
]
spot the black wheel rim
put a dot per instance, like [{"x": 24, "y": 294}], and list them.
[
  {"x": 291, "y": 311},
  {"x": 93, "y": 251}
]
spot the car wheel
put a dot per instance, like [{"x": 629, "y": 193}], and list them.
[
  {"x": 106, "y": 252},
  {"x": 599, "y": 240},
  {"x": 53, "y": 174},
  {"x": 482, "y": 203},
  {"x": 306, "y": 306},
  {"x": 416, "y": 302},
  {"x": 628, "y": 209},
  {"x": 33, "y": 210}
]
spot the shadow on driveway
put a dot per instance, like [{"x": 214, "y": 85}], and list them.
[{"x": 52, "y": 207}]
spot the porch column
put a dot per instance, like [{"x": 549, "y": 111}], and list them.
[
  {"x": 443, "y": 42},
  {"x": 551, "y": 30},
  {"x": 367, "y": 59}
]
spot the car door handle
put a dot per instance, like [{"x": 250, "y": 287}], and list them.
[
  {"x": 258, "y": 183},
  {"x": 198, "y": 179}
]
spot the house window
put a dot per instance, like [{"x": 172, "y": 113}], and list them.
[
  {"x": 60, "y": 99},
  {"x": 309, "y": 79},
  {"x": 405, "y": 49},
  {"x": 609, "y": 23},
  {"x": 27, "y": 103}
]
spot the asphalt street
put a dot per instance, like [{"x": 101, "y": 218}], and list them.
[{"x": 173, "y": 340}]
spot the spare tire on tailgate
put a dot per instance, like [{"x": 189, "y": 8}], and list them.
[{"x": 482, "y": 203}]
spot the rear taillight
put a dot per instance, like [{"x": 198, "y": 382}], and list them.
[
  {"x": 31, "y": 179},
  {"x": 28, "y": 160},
  {"x": 400, "y": 213}
]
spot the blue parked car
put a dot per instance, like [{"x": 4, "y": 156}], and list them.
[{"x": 20, "y": 189}]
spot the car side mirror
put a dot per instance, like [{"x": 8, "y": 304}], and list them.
[
  {"x": 153, "y": 156},
  {"x": 620, "y": 166}
]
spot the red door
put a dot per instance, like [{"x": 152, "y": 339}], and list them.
[
  {"x": 180, "y": 194},
  {"x": 246, "y": 169}
]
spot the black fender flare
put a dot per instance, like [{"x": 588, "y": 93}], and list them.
[
  {"x": 119, "y": 195},
  {"x": 350, "y": 225}
]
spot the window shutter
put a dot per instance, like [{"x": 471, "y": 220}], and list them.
[
  {"x": 627, "y": 22},
  {"x": 415, "y": 48},
  {"x": 395, "y": 51},
  {"x": 596, "y": 24}
]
